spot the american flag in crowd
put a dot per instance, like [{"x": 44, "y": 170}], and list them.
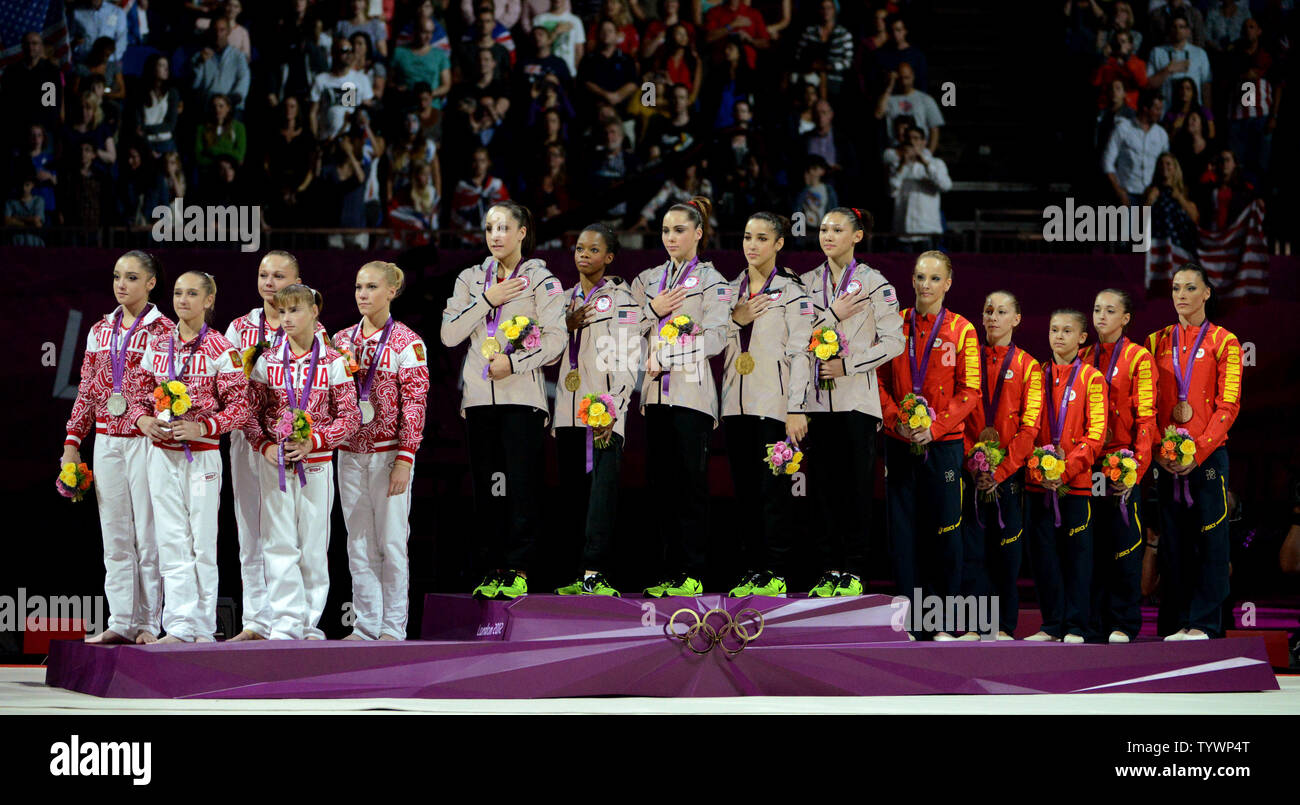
[
  {"x": 1236, "y": 258},
  {"x": 17, "y": 17}
]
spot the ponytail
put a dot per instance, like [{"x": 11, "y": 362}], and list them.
[
  {"x": 779, "y": 223},
  {"x": 860, "y": 217},
  {"x": 149, "y": 262},
  {"x": 699, "y": 210},
  {"x": 394, "y": 276},
  {"x": 524, "y": 218}
]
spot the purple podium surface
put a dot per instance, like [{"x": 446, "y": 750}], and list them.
[
  {"x": 648, "y": 666},
  {"x": 786, "y": 621}
]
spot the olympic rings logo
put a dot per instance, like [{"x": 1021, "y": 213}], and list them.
[{"x": 701, "y": 636}]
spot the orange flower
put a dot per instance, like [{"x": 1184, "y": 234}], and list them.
[
  {"x": 1032, "y": 463},
  {"x": 85, "y": 483},
  {"x": 1113, "y": 460}
]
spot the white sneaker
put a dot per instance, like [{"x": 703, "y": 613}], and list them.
[
  {"x": 1073, "y": 639},
  {"x": 1004, "y": 636},
  {"x": 1042, "y": 637},
  {"x": 943, "y": 637},
  {"x": 969, "y": 637},
  {"x": 1181, "y": 634},
  {"x": 1117, "y": 637}
]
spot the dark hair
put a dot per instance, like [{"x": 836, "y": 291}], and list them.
[
  {"x": 611, "y": 239},
  {"x": 1015, "y": 302},
  {"x": 149, "y": 262},
  {"x": 523, "y": 217},
  {"x": 699, "y": 210},
  {"x": 210, "y": 286},
  {"x": 1125, "y": 298},
  {"x": 370, "y": 44},
  {"x": 916, "y": 129},
  {"x": 860, "y": 217},
  {"x": 816, "y": 161},
  {"x": 1069, "y": 311},
  {"x": 1148, "y": 97},
  {"x": 421, "y": 87},
  {"x": 779, "y": 223},
  {"x": 150, "y": 72},
  {"x": 1211, "y": 304}
]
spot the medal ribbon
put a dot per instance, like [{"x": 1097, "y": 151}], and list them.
[
  {"x": 363, "y": 393},
  {"x": 117, "y": 357},
  {"x": 494, "y": 318},
  {"x": 844, "y": 282},
  {"x": 294, "y": 401},
  {"x": 918, "y": 373},
  {"x": 575, "y": 338},
  {"x": 667, "y": 376},
  {"x": 748, "y": 330},
  {"x": 991, "y": 406},
  {"x": 1056, "y": 418},
  {"x": 171, "y": 369},
  {"x": 1183, "y": 373}
]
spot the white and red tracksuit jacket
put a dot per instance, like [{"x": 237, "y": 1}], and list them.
[
  {"x": 214, "y": 379},
  {"x": 399, "y": 391},
  {"x": 332, "y": 404}
]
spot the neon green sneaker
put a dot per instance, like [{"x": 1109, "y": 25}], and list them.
[
  {"x": 849, "y": 585},
  {"x": 769, "y": 584},
  {"x": 825, "y": 586},
  {"x": 570, "y": 589},
  {"x": 488, "y": 588},
  {"x": 513, "y": 585},
  {"x": 661, "y": 589},
  {"x": 595, "y": 584},
  {"x": 746, "y": 585},
  {"x": 685, "y": 586}
]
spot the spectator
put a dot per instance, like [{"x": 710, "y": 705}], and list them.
[
  {"x": 815, "y": 199},
  {"x": 1193, "y": 148},
  {"x": 486, "y": 31},
  {"x": 1179, "y": 59},
  {"x": 507, "y": 12},
  {"x": 25, "y": 211},
  {"x": 220, "y": 135},
  {"x": 1120, "y": 63},
  {"x": 607, "y": 74},
  {"x": 672, "y": 134},
  {"x": 430, "y": 116},
  {"x": 878, "y": 36},
  {"x": 417, "y": 206},
  {"x": 412, "y": 148},
  {"x": 91, "y": 128},
  {"x": 475, "y": 195},
  {"x": 226, "y": 185},
  {"x": 343, "y": 181},
  {"x": 336, "y": 94},
  {"x": 1121, "y": 20},
  {"x": 174, "y": 173},
  {"x": 158, "y": 106},
  {"x": 112, "y": 110},
  {"x": 1222, "y": 199},
  {"x": 833, "y": 145},
  {"x": 617, "y": 11},
  {"x": 1162, "y": 22},
  {"x": 612, "y": 165},
  {"x": 735, "y": 18},
  {"x": 549, "y": 98},
  {"x": 87, "y": 200},
  {"x": 425, "y": 11},
  {"x": 802, "y": 116},
  {"x": 239, "y": 38},
  {"x": 825, "y": 51},
  {"x": 1085, "y": 21},
  {"x": 543, "y": 63},
  {"x": 481, "y": 106},
  {"x": 1172, "y": 210},
  {"x": 294, "y": 57},
  {"x": 423, "y": 64},
  {"x": 916, "y": 183},
  {"x": 1252, "y": 119},
  {"x": 361, "y": 22},
  {"x": 568, "y": 36},
  {"x": 100, "y": 62},
  {"x": 1183, "y": 105},
  {"x": 1129, "y": 160},
  {"x": 899, "y": 52},
  {"x": 141, "y": 188},
  {"x": 656, "y": 33},
  {"x": 902, "y": 98},
  {"x": 1116, "y": 108},
  {"x": 549, "y": 196},
  {"x": 93, "y": 21},
  {"x": 219, "y": 68},
  {"x": 1223, "y": 26},
  {"x": 684, "y": 185},
  {"x": 37, "y": 158},
  {"x": 289, "y": 163},
  {"x": 680, "y": 63},
  {"x": 777, "y": 16},
  {"x": 364, "y": 62},
  {"x": 28, "y": 84},
  {"x": 373, "y": 147},
  {"x": 724, "y": 86},
  {"x": 142, "y": 25}
]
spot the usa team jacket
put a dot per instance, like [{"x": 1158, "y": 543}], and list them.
[
  {"x": 610, "y": 353},
  {"x": 778, "y": 343}
]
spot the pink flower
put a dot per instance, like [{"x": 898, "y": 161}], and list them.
[
  {"x": 777, "y": 458},
  {"x": 608, "y": 401},
  {"x": 930, "y": 411},
  {"x": 684, "y": 340},
  {"x": 284, "y": 428},
  {"x": 533, "y": 340}
]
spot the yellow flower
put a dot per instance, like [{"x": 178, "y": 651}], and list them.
[
  {"x": 596, "y": 409},
  {"x": 682, "y": 321},
  {"x": 792, "y": 468},
  {"x": 1128, "y": 463},
  {"x": 925, "y": 420},
  {"x": 606, "y": 420},
  {"x": 1187, "y": 448},
  {"x": 1049, "y": 463},
  {"x": 1131, "y": 479},
  {"x": 69, "y": 467},
  {"x": 914, "y": 422},
  {"x": 68, "y": 477},
  {"x": 829, "y": 336},
  {"x": 798, "y": 457},
  {"x": 522, "y": 321},
  {"x": 824, "y": 352},
  {"x": 669, "y": 332},
  {"x": 176, "y": 387},
  {"x": 512, "y": 332},
  {"x": 180, "y": 406},
  {"x": 1186, "y": 459}
]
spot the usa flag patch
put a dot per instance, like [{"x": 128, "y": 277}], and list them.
[
  {"x": 889, "y": 294},
  {"x": 725, "y": 293},
  {"x": 627, "y": 317},
  {"x": 805, "y": 307},
  {"x": 552, "y": 288}
]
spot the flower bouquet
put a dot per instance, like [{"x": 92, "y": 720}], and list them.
[
  {"x": 597, "y": 411},
  {"x": 74, "y": 480},
  {"x": 783, "y": 458},
  {"x": 918, "y": 415},
  {"x": 826, "y": 343},
  {"x": 679, "y": 330},
  {"x": 171, "y": 399}
]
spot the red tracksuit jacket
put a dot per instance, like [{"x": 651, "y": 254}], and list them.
[
  {"x": 1019, "y": 408},
  {"x": 951, "y": 385}
]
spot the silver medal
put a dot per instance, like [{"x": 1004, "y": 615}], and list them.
[
  {"x": 367, "y": 411},
  {"x": 116, "y": 404}
]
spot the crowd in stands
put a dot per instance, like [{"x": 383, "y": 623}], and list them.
[{"x": 420, "y": 114}]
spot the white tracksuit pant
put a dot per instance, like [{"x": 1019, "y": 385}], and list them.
[
  {"x": 186, "y": 499},
  {"x": 245, "y": 471},
  {"x": 378, "y": 529},
  {"x": 132, "y": 583},
  {"x": 296, "y": 537}
]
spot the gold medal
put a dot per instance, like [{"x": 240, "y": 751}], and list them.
[
  {"x": 1183, "y": 412},
  {"x": 491, "y": 346},
  {"x": 745, "y": 363},
  {"x": 989, "y": 435},
  {"x": 572, "y": 381}
]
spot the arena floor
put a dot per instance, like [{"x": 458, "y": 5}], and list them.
[{"x": 23, "y": 692}]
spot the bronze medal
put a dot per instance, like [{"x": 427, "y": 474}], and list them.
[
  {"x": 989, "y": 435},
  {"x": 1183, "y": 412},
  {"x": 572, "y": 380},
  {"x": 745, "y": 363}
]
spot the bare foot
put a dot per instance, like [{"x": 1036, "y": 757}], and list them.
[
  {"x": 204, "y": 639},
  {"x": 245, "y": 635},
  {"x": 107, "y": 637},
  {"x": 390, "y": 637},
  {"x": 145, "y": 638},
  {"x": 169, "y": 639},
  {"x": 354, "y": 636}
]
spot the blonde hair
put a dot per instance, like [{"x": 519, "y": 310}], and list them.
[
  {"x": 394, "y": 276},
  {"x": 938, "y": 255},
  {"x": 302, "y": 294},
  {"x": 1175, "y": 175}
]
